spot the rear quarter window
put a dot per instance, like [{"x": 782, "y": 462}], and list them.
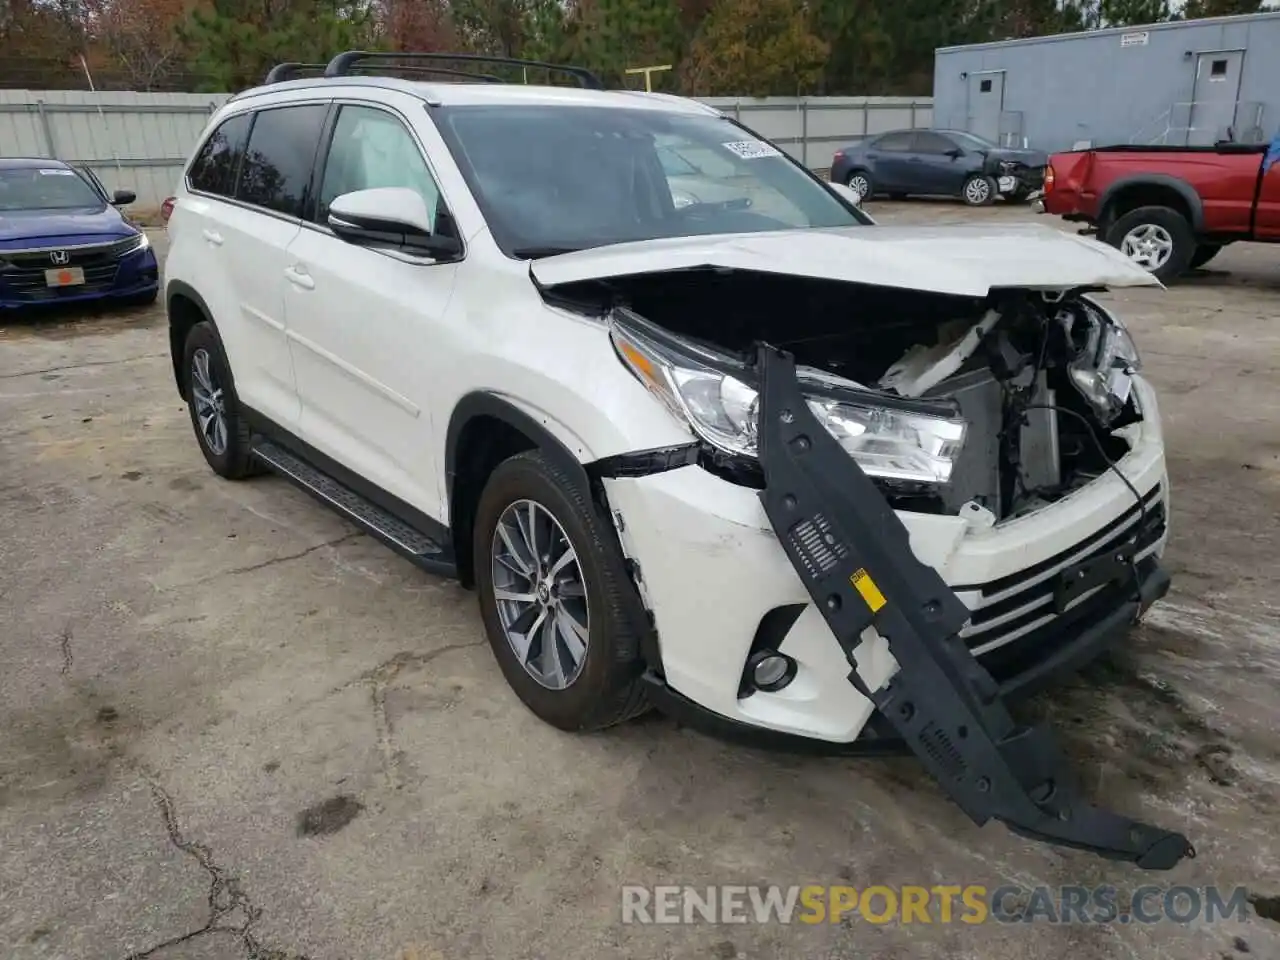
[
  {"x": 214, "y": 168},
  {"x": 276, "y": 173}
]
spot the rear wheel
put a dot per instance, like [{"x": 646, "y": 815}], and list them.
[
  {"x": 979, "y": 191},
  {"x": 551, "y": 590},
  {"x": 1158, "y": 239},
  {"x": 1204, "y": 253},
  {"x": 211, "y": 400},
  {"x": 859, "y": 181}
]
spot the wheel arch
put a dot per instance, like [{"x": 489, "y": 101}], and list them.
[
  {"x": 185, "y": 308},
  {"x": 1152, "y": 190},
  {"x": 484, "y": 430}
]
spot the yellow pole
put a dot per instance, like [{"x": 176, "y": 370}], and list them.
[{"x": 648, "y": 74}]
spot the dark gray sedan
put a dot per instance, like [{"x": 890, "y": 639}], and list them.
[{"x": 949, "y": 163}]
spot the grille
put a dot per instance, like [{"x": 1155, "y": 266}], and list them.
[
  {"x": 24, "y": 273},
  {"x": 1021, "y": 606}
]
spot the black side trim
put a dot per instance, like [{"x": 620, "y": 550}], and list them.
[
  {"x": 1181, "y": 187},
  {"x": 854, "y": 556},
  {"x": 174, "y": 289},
  {"x": 481, "y": 404},
  {"x": 646, "y": 462},
  {"x": 442, "y": 563}
]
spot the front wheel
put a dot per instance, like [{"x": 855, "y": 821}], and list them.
[
  {"x": 552, "y": 595},
  {"x": 979, "y": 191},
  {"x": 1158, "y": 239}
]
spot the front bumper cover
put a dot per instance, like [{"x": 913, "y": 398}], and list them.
[{"x": 854, "y": 556}]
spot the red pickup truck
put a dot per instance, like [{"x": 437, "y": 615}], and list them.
[{"x": 1170, "y": 209}]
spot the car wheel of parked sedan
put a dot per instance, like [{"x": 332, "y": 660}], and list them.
[
  {"x": 1204, "y": 253},
  {"x": 1158, "y": 239},
  {"x": 211, "y": 399},
  {"x": 979, "y": 191},
  {"x": 552, "y": 595},
  {"x": 859, "y": 181}
]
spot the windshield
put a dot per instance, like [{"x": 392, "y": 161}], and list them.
[
  {"x": 551, "y": 179},
  {"x": 971, "y": 141},
  {"x": 45, "y": 188}
]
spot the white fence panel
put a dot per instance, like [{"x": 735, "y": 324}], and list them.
[{"x": 140, "y": 141}]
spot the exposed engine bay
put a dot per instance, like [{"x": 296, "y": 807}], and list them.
[{"x": 1036, "y": 385}]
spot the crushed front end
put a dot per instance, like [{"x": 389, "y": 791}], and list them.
[{"x": 883, "y": 531}]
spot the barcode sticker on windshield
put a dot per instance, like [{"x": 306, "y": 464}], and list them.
[{"x": 752, "y": 149}]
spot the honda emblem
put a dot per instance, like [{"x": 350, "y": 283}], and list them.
[{"x": 60, "y": 257}]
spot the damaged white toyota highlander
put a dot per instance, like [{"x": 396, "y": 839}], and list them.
[{"x": 700, "y": 434}]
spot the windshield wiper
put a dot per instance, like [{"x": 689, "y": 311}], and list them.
[{"x": 537, "y": 253}]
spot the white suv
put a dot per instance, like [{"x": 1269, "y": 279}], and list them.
[{"x": 699, "y": 434}]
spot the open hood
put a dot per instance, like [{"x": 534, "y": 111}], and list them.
[{"x": 964, "y": 260}]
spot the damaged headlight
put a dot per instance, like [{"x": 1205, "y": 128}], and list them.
[
  {"x": 1104, "y": 363},
  {"x": 886, "y": 441}
]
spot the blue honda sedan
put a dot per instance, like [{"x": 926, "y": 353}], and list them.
[{"x": 62, "y": 240}]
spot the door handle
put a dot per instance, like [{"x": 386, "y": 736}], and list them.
[
  {"x": 299, "y": 278},
  {"x": 213, "y": 237}
]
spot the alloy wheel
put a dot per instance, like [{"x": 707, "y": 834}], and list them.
[
  {"x": 860, "y": 185},
  {"x": 1149, "y": 245},
  {"x": 977, "y": 190},
  {"x": 541, "y": 594},
  {"x": 208, "y": 398}
]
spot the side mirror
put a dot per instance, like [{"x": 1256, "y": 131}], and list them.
[
  {"x": 122, "y": 198},
  {"x": 846, "y": 193},
  {"x": 394, "y": 218}
]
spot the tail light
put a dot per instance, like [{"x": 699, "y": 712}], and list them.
[
  {"x": 1048, "y": 178},
  {"x": 166, "y": 209}
]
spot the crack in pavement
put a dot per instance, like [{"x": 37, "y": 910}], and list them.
[
  {"x": 64, "y": 642},
  {"x": 81, "y": 366},
  {"x": 231, "y": 911},
  {"x": 253, "y": 567},
  {"x": 378, "y": 679},
  {"x": 227, "y": 899}
]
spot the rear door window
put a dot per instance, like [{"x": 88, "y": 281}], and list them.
[
  {"x": 276, "y": 173},
  {"x": 894, "y": 142},
  {"x": 214, "y": 168},
  {"x": 935, "y": 143}
]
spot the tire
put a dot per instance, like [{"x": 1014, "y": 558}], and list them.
[
  {"x": 230, "y": 459},
  {"x": 1019, "y": 196},
  {"x": 1164, "y": 226},
  {"x": 604, "y": 688},
  {"x": 859, "y": 181},
  {"x": 979, "y": 191},
  {"x": 1204, "y": 253}
]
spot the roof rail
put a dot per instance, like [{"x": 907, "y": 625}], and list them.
[
  {"x": 344, "y": 64},
  {"x": 283, "y": 72},
  {"x": 289, "y": 71}
]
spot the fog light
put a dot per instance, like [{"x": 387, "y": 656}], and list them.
[{"x": 771, "y": 671}]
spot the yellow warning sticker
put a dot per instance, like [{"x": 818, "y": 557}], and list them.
[{"x": 867, "y": 588}]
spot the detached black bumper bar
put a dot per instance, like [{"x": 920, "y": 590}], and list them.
[{"x": 854, "y": 556}]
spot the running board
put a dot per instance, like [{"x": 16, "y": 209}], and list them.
[
  {"x": 854, "y": 556},
  {"x": 373, "y": 519}
]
